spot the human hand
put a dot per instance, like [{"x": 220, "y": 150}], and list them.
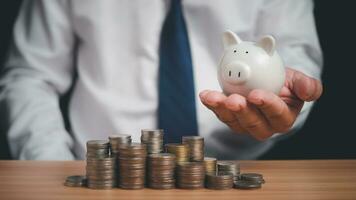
[{"x": 263, "y": 113}]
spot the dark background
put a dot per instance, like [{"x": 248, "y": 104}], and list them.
[{"x": 329, "y": 131}]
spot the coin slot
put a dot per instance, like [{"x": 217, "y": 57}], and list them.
[{"x": 239, "y": 74}]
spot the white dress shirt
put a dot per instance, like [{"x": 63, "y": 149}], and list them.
[{"x": 113, "y": 47}]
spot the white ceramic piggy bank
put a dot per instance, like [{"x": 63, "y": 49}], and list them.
[{"x": 247, "y": 65}]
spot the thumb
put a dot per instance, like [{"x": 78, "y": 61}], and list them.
[{"x": 305, "y": 87}]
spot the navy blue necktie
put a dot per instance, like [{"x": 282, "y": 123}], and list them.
[{"x": 176, "y": 108}]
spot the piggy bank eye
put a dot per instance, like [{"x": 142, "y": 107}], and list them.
[
  {"x": 246, "y": 52},
  {"x": 235, "y": 51}
]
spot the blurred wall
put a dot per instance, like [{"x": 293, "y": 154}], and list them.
[
  {"x": 329, "y": 131},
  {"x": 8, "y": 13}
]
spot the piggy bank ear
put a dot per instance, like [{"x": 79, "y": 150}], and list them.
[
  {"x": 268, "y": 43},
  {"x": 230, "y": 38}
]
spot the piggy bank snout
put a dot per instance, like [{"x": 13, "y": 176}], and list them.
[{"x": 235, "y": 73}]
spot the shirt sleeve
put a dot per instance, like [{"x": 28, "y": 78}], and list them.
[
  {"x": 38, "y": 70},
  {"x": 292, "y": 23}
]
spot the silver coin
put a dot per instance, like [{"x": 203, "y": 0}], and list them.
[
  {"x": 254, "y": 177},
  {"x": 75, "y": 181},
  {"x": 242, "y": 184}
]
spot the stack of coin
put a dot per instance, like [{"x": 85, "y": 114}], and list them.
[
  {"x": 196, "y": 147},
  {"x": 190, "y": 175},
  {"x": 100, "y": 169},
  {"x": 117, "y": 140},
  {"x": 249, "y": 181},
  {"x": 160, "y": 171},
  {"x": 181, "y": 151},
  {"x": 76, "y": 181},
  {"x": 98, "y": 149},
  {"x": 153, "y": 138},
  {"x": 219, "y": 181},
  {"x": 210, "y": 165},
  {"x": 132, "y": 166},
  {"x": 229, "y": 168}
]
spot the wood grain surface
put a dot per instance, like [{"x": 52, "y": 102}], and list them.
[{"x": 301, "y": 179}]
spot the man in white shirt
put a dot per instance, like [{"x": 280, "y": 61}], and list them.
[{"x": 114, "y": 48}]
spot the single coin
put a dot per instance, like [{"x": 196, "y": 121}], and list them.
[
  {"x": 75, "y": 181},
  {"x": 242, "y": 184},
  {"x": 255, "y": 177}
]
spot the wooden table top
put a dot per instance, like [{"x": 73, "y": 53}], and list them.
[{"x": 300, "y": 179}]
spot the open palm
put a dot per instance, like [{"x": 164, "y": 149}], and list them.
[{"x": 263, "y": 113}]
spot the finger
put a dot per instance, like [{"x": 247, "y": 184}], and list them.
[
  {"x": 203, "y": 93},
  {"x": 212, "y": 98},
  {"x": 249, "y": 117},
  {"x": 305, "y": 87},
  {"x": 278, "y": 114},
  {"x": 214, "y": 101}
]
